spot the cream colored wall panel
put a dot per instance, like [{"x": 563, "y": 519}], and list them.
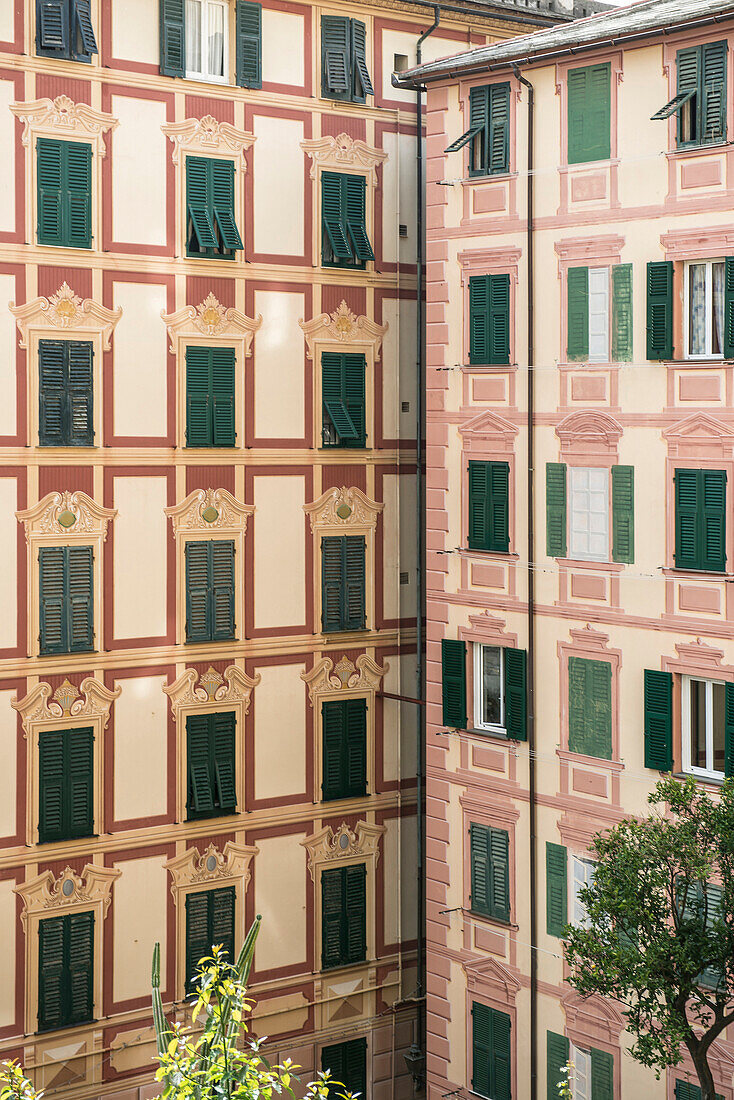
[
  {"x": 407, "y": 198},
  {"x": 408, "y": 369},
  {"x": 408, "y": 859},
  {"x": 390, "y": 368},
  {"x": 8, "y": 755},
  {"x": 137, "y": 927},
  {"x": 280, "y": 731},
  {"x": 391, "y": 170},
  {"x": 280, "y": 551},
  {"x": 279, "y": 366},
  {"x": 8, "y": 930},
  {"x": 140, "y": 361},
  {"x": 7, "y": 144},
  {"x": 280, "y": 896},
  {"x": 8, "y": 354},
  {"x": 278, "y": 192},
  {"x": 135, "y": 33},
  {"x": 140, "y": 566},
  {"x": 9, "y": 557},
  {"x": 407, "y": 545},
  {"x": 141, "y": 733},
  {"x": 393, "y": 873},
  {"x": 139, "y": 182},
  {"x": 282, "y": 47},
  {"x": 7, "y": 21},
  {"x": 391, "y": 529}
]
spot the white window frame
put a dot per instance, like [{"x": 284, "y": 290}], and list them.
[
  {"x": 581, "y": 872},
  {"x": 573, "y": 552},
  {"x": 491, "y": 727},
  {"x": 600, "y": 330},
  {"x": 709, "y": 299},
  {"x": 580, "y": 1076},
  {"x": 706, "y": 773},
  {"x": 204, "y": 75}
]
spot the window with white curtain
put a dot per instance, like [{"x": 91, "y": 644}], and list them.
[
  {"x": 582, "y": 873},
  {"x": 580, "y": 1077},
  {"x": 703, "y": 726},
  {"x": 588, "y": 513},
  {"x": 207, "y": 39},
  {"x": 703, "y": 296},
  {"x": 598, "y": 314}
]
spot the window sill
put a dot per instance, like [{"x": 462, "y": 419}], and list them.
[
  {"x": 686, "y": 150},
  {"x": 607, "y": 162},
  {"x": 492, "y": 735},
  {"x": 675, "y": 571},
  {"x": 496, "y": 922},
  {"x": 66, "y": 1027},
  {"x": 710, "y": 780},
  {"x": 586, "y": 563},
  {"x": 507, "y": 555},
  {"x": 202, "y": 78},
  {"x": 490, "y": 177}
]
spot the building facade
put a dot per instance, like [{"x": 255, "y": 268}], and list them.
[{"x": 573, "y": 659}]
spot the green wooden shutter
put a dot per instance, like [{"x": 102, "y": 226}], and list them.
[
  {"x": 590, "y": 707},
  {"x": 577, "y": 295},
  {"x": 660, "y": 310},
  {"x": 556, "y": 889},
  {"x": 334, "y": 219},
  {"x": 713, "y": 91},
  {"x": 555, "y": 509},
  {"x": 687, "y": 541},
  {"x": 221, "y": 917},
  {"x": 713, "y": 530},
  {"x": 52, "y": 567},
  {"x": 223, "y": 750},
  {"x": 344, "y": 740},
  {"x": 500, "y": 1076},
  {"x": 479, "y": 505},
  {"x": 197, "y": 591},
  {"x": 353, "y": 598},
  {"x": 82, "y": 30},
  {"x": 355, "y": 912},
  {"x": 686, "y": 1090},
  {"x": 333, "y": 949},
  {"x": 79, "y": 752},
  {"x": 333, "y": 1059},
  {"x": 198, "y": 945},
  {"x": 173, "y": 37},
  {"x": 80, "y": 954},
  {"x": 249, "y": 44},
  {"x": 335, "y": 57},
  {"x": 80, "y": 403},
  {"x": 333, "y": 397},
  {"x": 200, "y": 201},
  {"x": 53, "y": 407},
  {"x": 331, "y": 583},
  {"x": 479, "y": 857},
  {"x": 355, "y": 726},
  {"x": 362, "y": 84},
  {"x": 622, "y": 329},
  {"x": 49, "y": 170},
  {"x": 729, "y": 730},
  {"x": 222, "y": 592},
  {"x": 479, "y": 319},
  {"x": 729, "y": 308},
  {"x": 481, "y": 1048},
  {"x": 453, "y": 680},
  {"x": 355, "y": 371},
  {"x": 498, "y": 154},
  {"x": 623, "y": 514},
  {"x": 515, "y": 671},
  {"x": 558, "y": 1052},
  {"x": 52, "y": 27},
  {"x": 658, "y": 705},
  {"x": 589, "y": 113},
  {"x": 499, "y": 319},
  {"x": 348, "y": 1065},
  {"x": 478, "y": 120},
  {"x": 499, "y": 507},
  {"x": 356, "y": 190},
  {"x": 80, "y": 599},
  {"x": 200, "y": 781},
  {"x": 77, "y": 201},
  {"x": 602, "y": 1075},
  {"x": 199, "y": 397},
  {"x": 689, "y": 83},
  {"x": 51, "y": 786},
  {"x": 51, "y": 1001},
  {"x": 222, "y": 381},
  {"x": 222, "y": 190},
  {"x": 333, "y": 717},
  {"x": 499, "y": 865}
]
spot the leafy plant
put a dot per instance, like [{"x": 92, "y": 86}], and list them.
[
  {"x": 14, "y": 1085},
  {"x": 564, "y": 1086}
]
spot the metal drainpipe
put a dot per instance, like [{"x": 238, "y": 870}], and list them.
[{"x": 531, "y": 595}]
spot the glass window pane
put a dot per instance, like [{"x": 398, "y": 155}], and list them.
[
  {"x": 193, "y": 36},
  {"x": 216, "y": 40},
  {"x": 698, "y": 724},
  {"x": 589, "y": 513},
  {"x": 697, "y": 309},
  {"x": 718, "y": 703},
  {"x": 581, "y": 1073},
  {"x": 491, "y": 686},
  {"x": 598, "y": 314},
  {"x": 717, "y": 318}
]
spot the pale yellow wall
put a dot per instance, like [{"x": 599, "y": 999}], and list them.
[
  {"x": 141, "y": 734},
  {"x": 280, "y": 731},
  {"x": 140, "y": 360},
  {"x": 6, "y": 20},
  {"x": 279, "y": 365},
  {"x": 8, "y": 932},
  {"x": 278, "y": 160},
  {"x": 408, "y": 366},
  {"x": 390, "y": 368},
  {"x": 135, "y": 30},
  {"x": 281, "y": 898},
  {"x": 137, "y": 927},
  {"x": 280, "y": 554},
  {"x": 407, "y": 197},
  {"x": 140, "y": 557},
  {"x": 407, "y": 560},
  {"x": 8, "y": 755},
  {"x": 7, "y": 144},
  {"x": 282, "y": 47},
  {"x": 393, "y": 872},
  {"x": 9, "y": 558},
  {"x": 391, "y": 527},
  {"x": 8, "y": 343},
  {"x": 139, "y": 182},
  {"x": 391, "y": 170}
]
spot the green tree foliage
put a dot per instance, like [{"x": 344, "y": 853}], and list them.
[{"x": 659, "y": 934}]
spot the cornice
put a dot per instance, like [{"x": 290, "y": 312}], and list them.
[
  {"x": 70, "y": 890},
  {"x": 64, "y": 118},
  {"x": 343, "y": 508},
  {"x": 65, "y": 310},
  {"x": 209, "y": 136},
  {"x": 337, "y": 845},
  {"x": 326, "y": 677},
  {"x": 42, "y": 704},
  {"x": 343, "y": 327},
  {"x": 213, "y": 320},
  {"x": 66, "y": 514},
  {"x": 212, "y": 865},
  {"x": 343, "y": 151},
  {"x": 209, "y": 510},
  {"x": 194, "y": 689}
]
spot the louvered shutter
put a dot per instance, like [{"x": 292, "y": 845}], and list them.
[
  {"x": 713, "y": 86},
  {"x": 516, "y": 723},
  {"x": 499, "y": 507},
  {"x": 499, "y": 863},
  {"x": 489, "y": 506},
  {"x": 222, "y": 176},
  {"x": 687, "y": 548},
  {"x": 555, "y": 509},
  {"x": 686, "y": 1090},
  {"x": 198, "y": 945},
  {"x": 173, "y": 37},
  {"x": 355, "y": 726},
  {"x": 52, "y": 568},
  {"x": 729, "y": 308},
  {"x": 577, "y": 293},
  {"x": 660, "y": 310},
  {"x": 249, "y": 44},
  {"x": 499, "y": 131},
  {"x": 51, "y": 786},
  {"x": 479, "y": 857},
  {"x": 223, "y": 733},
  {"x": 51, "y": 999},
  {"x": 199, "y": 398},
  {"x": 601, "y": 710},
  {"x": 729, "y": 730},
  {"x": 78, "y": 197},
  {"x": 453, "y": 683},
  {"x": 80, "y": 404},
  {"x": 623, "y": 514},
  {"x": 602, "y": 1075},
  {"x": 658, "y": 705},
  {"x": 200, "y": 782},
  {"x": 479, "y": 320},
  {"x": 479, "y": 505},
  {"x": 223, "y": 589},
  {"x": 713, "y": 497},
  {"x": 199, "y": 200},
  {"x": 556, "y": 889},
  {"x": 223, "y": 382},
  {"x": 197, "y": 591},
  {"x": 353, "y": 614},
  {"x": 622, "y": 330},
  {"x": 589, "y": 707},
  {"x": 81, "y": 967},
  {"x": 356, "y": 188},
  {"x": 355, "y": 1066},
  {"x": 332, "y": 918},
  {"x": 331, "y": 583},
  {"x": 222, "y": 903},
  {"x": 481, "y": 1047},
  {"x": 333, "y": 385},
  {"x": 589, "y": 113},
  {"x": 557, "y": 1056},
  {"x": 80, "y": 772},
  {"x": 52, "y": 27},
  {"x": 53, "y": 414},
  {"x": 50, "y": 191},
  {"x": 355, "y": 370},
  {"x": 333, "y": 1059},
  {"x": 86, "y": 42},
  {"x": 501, "y": 1056},
  {"x": 81, "y": 599},
  {"x": 333, "y": 718},
  {"x": 362, "y": 85},
  {"x": 499, "y": 319},
  {"x": 478, "y": 118},
  {"x": 335, "y": 59},
  {"x": 333, "y": 216},
  {"x": 355, "y": 899}
]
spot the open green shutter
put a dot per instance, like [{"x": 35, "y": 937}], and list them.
[
  {"x": 197, "y": 591},
  {"x": 479, "y": 856},
  {"x": 345, "y": 412},
  {"x": 333, "y": 719},
  {"x": 79, "y": 746},
  {"x": 81, "y": 599},
  {"x": 355, "y": 912},
  {"x": 79, "y": 393},
  {"x": 623, "y": 514},
  {"x": 660, "y": 310},
  {"x": 729, "y": 308},
  {"x": 222, "y": 903},
  {"x": 222, "y": 391},
  {"x": 498, "y": 153},
  {"x": 335, "y": 56},
  {"x": 81, "y": 967},
  {"x": 577, "y": 293},
  {"x": 555, "y": 509},
  {"x": 713, "y": 90},
  {"x": 82, "y": 27},
  {"x": 52, "y": 27},
  {"x": 51, "y": 953},
  {"x": 602, "y": 1075},
  {"x": 516, "y": 722},
  {"x": 77, "y": 201},
  {"x": 199, "y": 398},
  {"x": 52, "y": 569},
  {"x": 453, "y": 679},
  {"x": 556, "y": 889},
  {"x": 53, "y": 425},
  {"x": 249, "y": 44},
  {"x": 362, "y": 84},
  {"x": 479, "y": 505},
  {"x": 333, "y": 933},
  {"x": 51, "y": 786},
  {"x": 173, "y": 37},
  {"x": 658, "y": 705},
  {"x": 713, "y": 520},
  {"x": 333, "y": 216},
  {"x": 499, "y": 319},
  {"x": 354, "y": 602},
  {"x": 479, "y": 319},
  {"x": 50, "y": 191},
  {"x": 499, "y": 864},
  {"x": 223, "y": 590},
  {"x": 729, "y": 730},
  {"x": 198, "y": 945},
  {"x": 687, "y": 539},
  {"x": 557, "y": 1056},
  {"x": 199, "y": 200},
  {"x": 500, "y": 1075},
  {"x": 331, "y": 583},
  {"x": 200, "y": 784},
  {"x": 222, "y": 192},
  {"x": 478, "y": 120},
  {"x": 356, "y": 188},
  {"x": 355, "y": 744},
  {"x": 223, "y": 745},
  {"x": 622, "y": 330},
  {"x": 481, "y": 1047},
  {"x": 589, "y": 113}
]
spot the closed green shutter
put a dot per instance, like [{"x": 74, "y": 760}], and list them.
[
  {"x": 729, "y": 308},
  {"x": 589, "y": 114},
  {"x": 335, "y": 57},
  {"x": 200, "y": 786},
  {"x": 515, "y": 671},
  {"x": 50, "y": 191},
  {"x": 355, "y": 370},
  {"x": 333, "y": 1059},
  {"x": 52, "y": 28},
  {"x": 729, "y": 730},
  {"x": 344, "y": 916},
  {"x": 700, "y": 520},
  {"x": 687, "y": 548},
  {"x": 479, "y": 505},
  {"x": 660, "y": 310},
  {"x": 64, "y": 170},
  {"x": 479, "y": 857},
  {"x": 556, "y": 889},
  {"x": 713, "y": 92},
  {"x": 65, "y": 971},
  {"x": 334, "y": 220},
  {"x": 489, "y": 506},
  {"x": 210, "y": 740},
  {"x": 453, "y": 680},
  {"x": 499, "y": 865},
  {"x": 66, "y": 599},
  {"x": 332, "y": 921},
  {"x": 332, "y": 741},
  {"x": 499, "y": 319},
  {"x": 52, "y": 786},
  {"x": 198, "y": 945},
  {"x": 173, "y": 37},
  {"x": 348, "y": 1065},
  {"x": 622, "y": 329},
  {"x": 221, "y": 915},
  {"x": 602, "y": 1075},
  {"x": 658, "y": 700},
  {"x": 80, "y": 967},
  {"x": 356, "y": 747},
  {"x": 83, "y": 42},
  {"x": 623, "y": 514},
  {"x": 210, "y": 394},
  {"x": 354, "y": 603},
  {"x": 222, "y": 192},
  {"x": 249, "y": 44},
  {"x": 223, "y": 368},
  {"x": 344, "y": 740},
  {"x": 79, "y": 766},
  {"x": 331, "y": 584},
  {"x": 354, "y": 203},
  {"x": 51, "y": 1006},
  {"x": 501, "y": 1056},
  {"x": 558, "y": 1050},
  {"x": 197, "y": 591},
  {"x": 222, "y": 591},
  {"x": 343, "y": 583},
  {"x": 714, "y": 520},
  {"x": 479, "y": 322},
  {"x": 491, "y": 1052},
  {"x": 210, "y": 591},
  {"x": 355, "y": 910},
  {"x": 361, "y": 82},
  {"x": 498, "y": 155},
  {"x": 223, "y": 748},
  {"x": 555, "y": 509},
  {"x": 590, "y": 707},
  {"x": 80, "y": 405},
  {"x": 577, "y": 292},
  {"x": 65, "y": 393},
  {"x": 80, "y": 599}
]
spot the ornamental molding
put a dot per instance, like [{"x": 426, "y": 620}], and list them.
[
  {"x": 343, "y": 508},
  {"x": 580, "y": 429},
  {"x": 193, "y": 689},
  {"x": 591, "y": 640},
  {"x": 342, "y": 844},
  {"x": 343, "y": 152},
  {"x": 699, "y": 429},
  {"x": 65, "y": 515},
  {"x": 65, "y": 310},
  {"x": 69, "y": 890},
  {"x": 325, "y": 677},
  {"x": 491, "y": 978},
  {"x": 63, "y": 118},
  {"x": 212, "y": 865},
  {"x": 589, "y": 248},
  {"x": 209, "y": 510},
  {"x": 490, "y": 428},
  {"x": 683, "y": 244},
  {"x": 487, "y": 627},
  {"x": 699, "y": 654},
  {"x": 208, "y": 135},
  {"x": 485, "y": 261},
  {"x": 213, "y": 320},
  {"x": 91, "y": 700},
  {"x": 343, "y": 327}
]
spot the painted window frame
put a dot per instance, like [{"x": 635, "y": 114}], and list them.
[
  {"x": 573, "y": 554},
  {"x": 497, "y": 728},
  {"x": 685, "y": 726},
  {"x": 708, "y": 353}
]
